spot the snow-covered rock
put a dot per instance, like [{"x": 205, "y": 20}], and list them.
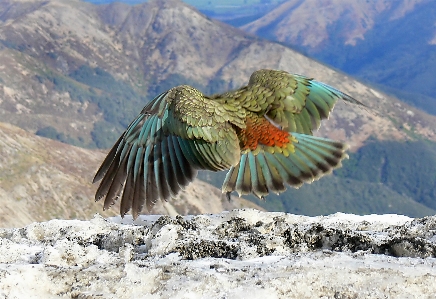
[{"x": 237, "y": 254}]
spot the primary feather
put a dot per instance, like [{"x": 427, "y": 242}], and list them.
[{"x": 261, "y": 133}]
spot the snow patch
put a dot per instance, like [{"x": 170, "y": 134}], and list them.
[{"x": 228, "y": 255}]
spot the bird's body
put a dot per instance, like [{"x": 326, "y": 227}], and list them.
[{"x": 261, "y": 132}]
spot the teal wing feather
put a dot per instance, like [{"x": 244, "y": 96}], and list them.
[
  {"x": 176, "y": 134},
  {"x": 264, "y": 170}
]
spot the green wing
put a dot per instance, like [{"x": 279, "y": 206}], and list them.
[
  {"x": 176, "y": 134},
  {"x": 296, "y": 103}
]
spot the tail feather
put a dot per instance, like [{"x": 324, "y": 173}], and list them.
[
  {"x": 171, "y": 179},
  {"x": 284, "y": 176},
  {"x": 116, "y": 185},
  {"x": 296, "y": 176},
  {"x": 313, "y": 168},
  {"x": 258, "y": 179},
  {"x": 179, "y": 163},
  {"x": 142, "y": 173},
  {"x": 127, "y": 194},
  {"x": 266, "y": 172},
  {"x": 295, "y": 167},
  {"x": 243, "y": 181},
  {"x": 231, "y": 178},
  {"x": 279, "y": 173},
  {"x": 139, "y": 193},
  {"x": 323, "y": 151},
  {"x": 162, "y": 191}
]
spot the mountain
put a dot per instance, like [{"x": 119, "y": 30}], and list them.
[
  {"x": 42, "y": 179},
  {"x": 391, "y": 43},
  {"x": 79, "y": 73}
]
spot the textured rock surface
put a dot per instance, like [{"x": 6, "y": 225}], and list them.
[{"x": 227, "y": 255}]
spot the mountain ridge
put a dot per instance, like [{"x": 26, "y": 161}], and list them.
[
  {"x": 223, "y": 56},
  {"x": 388, "y": 42}
]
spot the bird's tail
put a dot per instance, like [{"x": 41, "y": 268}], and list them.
[{"x": 263, "y": 172}]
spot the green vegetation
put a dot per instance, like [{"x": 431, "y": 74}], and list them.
[
  {"x": 52, "y": 133},
  {"x": 334, "y": 194},
  {"x": 117, "y": 100},
  {"x": 382, "y": 177},
  {"x": 104, "y": 134},
  {"x": 408, "y": 168}
]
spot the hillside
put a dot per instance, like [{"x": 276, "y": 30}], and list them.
[
  {"x": 42, "y": 179},
  {"x": 391, "y": 43},
  {"x": 79, "y": 73}
]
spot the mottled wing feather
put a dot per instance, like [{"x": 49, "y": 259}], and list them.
[
  {"x": 161, "y": 150},
  {"x": 296, "y": 103}
]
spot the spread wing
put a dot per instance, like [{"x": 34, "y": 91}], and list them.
[
  {"x": 177, "y": 133},
  {"x": 296, "y": 103}
]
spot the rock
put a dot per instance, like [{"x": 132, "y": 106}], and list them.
[{"x": 226, "y": 255}]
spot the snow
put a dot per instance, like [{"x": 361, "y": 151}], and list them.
[{"x": 237, "y": 254}]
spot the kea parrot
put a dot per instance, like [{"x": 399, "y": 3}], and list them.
[{"x": 261, "y": 133}]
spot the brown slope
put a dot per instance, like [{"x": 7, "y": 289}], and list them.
[
  {"x": 41, "y": 179},
  {"x": 133, "y": 43},
  {"x": 151, "y": 42}
]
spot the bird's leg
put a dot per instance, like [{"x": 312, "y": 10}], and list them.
[{"x": 228, "y": 195}]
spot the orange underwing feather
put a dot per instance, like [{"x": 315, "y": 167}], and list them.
[{"x": 260, "y": 130}]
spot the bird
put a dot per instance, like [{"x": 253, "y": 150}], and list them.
[{"x": 262, "y": 133}]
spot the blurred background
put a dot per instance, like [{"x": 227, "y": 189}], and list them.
[{"x": 74, "y": 74}]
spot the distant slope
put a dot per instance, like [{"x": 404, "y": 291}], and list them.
[
  {"x": 392, "y": 43},
  {"x": 42, "y": 179}
]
